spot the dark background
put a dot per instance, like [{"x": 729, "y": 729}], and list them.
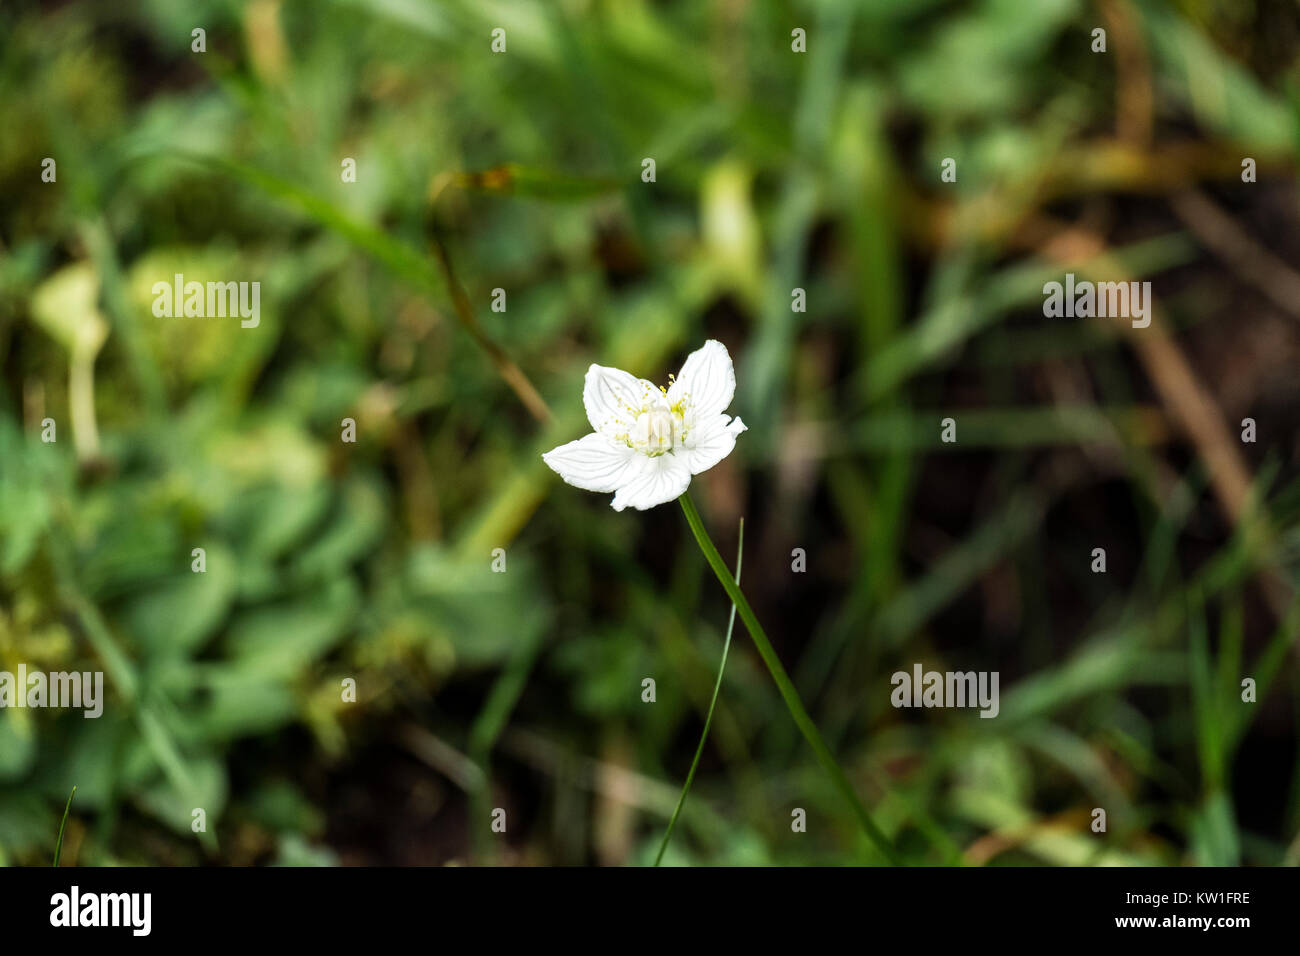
[{"x": 522, "y": 171}]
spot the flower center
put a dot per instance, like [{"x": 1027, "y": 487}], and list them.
[{"x": 655, "y": 432}]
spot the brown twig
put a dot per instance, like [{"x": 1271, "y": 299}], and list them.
[
  {"x": 1190, "y": 405},
  {"x": 1220, "y": 234},
  {"x": 512, "y": 374}
]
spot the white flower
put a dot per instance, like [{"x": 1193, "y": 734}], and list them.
[{"x": 649, "y": 441}]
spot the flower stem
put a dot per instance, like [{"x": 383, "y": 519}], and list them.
[
  {"x": 783, "y": 683},
  {"x": 708, "y": 718}
]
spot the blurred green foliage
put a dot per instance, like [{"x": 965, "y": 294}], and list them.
[{"x": 372, "y": 560}]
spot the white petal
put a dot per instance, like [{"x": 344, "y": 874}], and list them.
[
  {"x": 659, "y": 479},
  {"x": 594, "y": 463},
  {"x": 707, "y": 380},
  {"x": 613, "y": 399},
  {"x": 710, "y": 440}
]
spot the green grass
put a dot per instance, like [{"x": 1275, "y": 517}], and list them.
[
  {"x": 522, "y": 171},
  {"x": 58, "y": 843}
]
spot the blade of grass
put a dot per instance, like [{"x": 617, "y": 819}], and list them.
[
  {"x": 397, "y": 256},
  {"x": 708, "y": 718},
  {"x": 783, "y": 684},
  {"x": 58, "y": 844}
]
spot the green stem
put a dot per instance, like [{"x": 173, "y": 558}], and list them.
[
  {"x": 783, "y": 684},
  {"x": 58, "y": 845},
  {"x": 708, "y": 718}
]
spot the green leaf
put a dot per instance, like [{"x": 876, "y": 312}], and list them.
[
  {"x": 180, "y": 613},
  {"x": 207, "y": 791},
  {"x": 284, "y": 639}
]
